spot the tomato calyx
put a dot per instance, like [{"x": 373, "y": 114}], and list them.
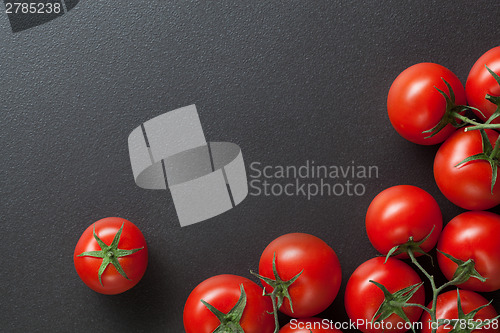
[
  {"x": 465, "y": 270},
  {"x": 280, "y": 290},
  {"x": 394, "y": 302},
  {"x": 450, "y": 115},
  {"x": 490, "y": 154},
  {"x": 465, "y": 323},
  {"x": 453, "y": 112},
  {"x": 230, "y": 322},
  {"x": 493, "y": 99},
  {"x": 410, "y": 245},
  {"x": 110, "y": 254}
]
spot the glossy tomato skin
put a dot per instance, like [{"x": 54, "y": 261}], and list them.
[
  {"x": 223, "y": 292},
  {"x": 468, "y": 185},
  {"x": 319, "y": 283},
  {"x": 308, "y": 325},
  {"x": 363, "y": 298},
  {"x": 133, "y": 265},
  {"x": 400, "y": 212},
  {"x": 480, "y": 82},
  {"x": 473, "y": 235},
  {"x": 446, "y": 308},
  {"x": 414, "y": 105}
]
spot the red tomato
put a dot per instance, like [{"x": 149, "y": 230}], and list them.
[
  {"x": 467, "y": 185},
  {"x": 480, "y": 82},
  {"x": 363, "y": 298},
  {"x": 308, "y": 325},
  {"x": 123, "y": 253},
  {"x": 473, "y": 235},
  {"x": 400, "y": 212},
  {"x": 414, "y": 105},
  {"x": 223, "y": 292},
  {"x": 319, "y": 283},
  {"x": 447, "y": 309}
]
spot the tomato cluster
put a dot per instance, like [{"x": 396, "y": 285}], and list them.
[
  {"x": 427, "y": 103},
  {"x": 408, "y": 219},
  {"x": 301, "y": 274},
  {"x": 301, "y": 277}
]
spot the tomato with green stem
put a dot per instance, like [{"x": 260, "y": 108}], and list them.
[
  {"x": 301, "y": 273},
  {"x": 462, "y": 311},
  {"x": 381, "y": 290},
  {"x": 472, "y": 236},
  {"x": 111, "y": 256},
  {"x": 466, "y": 169},
  {"x": 416, "y": 103},
  {"x": 228, "y": 303},
  {"x": 401, "y": 213},
  {"x": 482, "y": 88}
]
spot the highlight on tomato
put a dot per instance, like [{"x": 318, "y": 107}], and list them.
[
  {"x": 372, "y": 290},
  {"x": 472, "y": 238},
  {"x": 482, "y": 89},
  {"x": 403, "y": 217},
  {"x": 111, "y": 256},
  {"x": 462, "y": 311},
  {"x": 416, "y": 103},
  {"x": 466, "y": 169},
  {"x": 228, "y": 303},
  {"x": 301, "y": 273}
]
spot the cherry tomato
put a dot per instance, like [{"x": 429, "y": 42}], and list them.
[
  {"x": 473, "y": 235},
  {"x": 223, "y": 292},
  {"x": 480, "y": 82},
  {"x": 317, "y": 286},
  {"x": 363, "y": 298},
  {"x": 308, "y": 325},
  {"x": 447, "y": 309},
  {"x": 400, "y": 212},
  {"x": 414, "y": 105},
  {"x": 467, "y": 185},
  {"x": 116, "y": 245}
]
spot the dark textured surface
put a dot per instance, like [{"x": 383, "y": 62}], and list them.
[{"x": 286, "y": 81}]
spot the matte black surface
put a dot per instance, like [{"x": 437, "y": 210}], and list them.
[{"x": 286, "y": 81}]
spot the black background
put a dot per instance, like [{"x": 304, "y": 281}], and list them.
[{"x": 288, "y": 81}]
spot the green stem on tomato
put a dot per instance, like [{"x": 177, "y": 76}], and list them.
[
  {"x": 476, "y": 125},
  {"x": 496, "y": 149},
  {"x": 482, "y": 126},
  {"x": 465, "y": 119},
  {"x": 426, "y": 309},
  {"x": 432, "y": 310},
  {"x": 275, "y": 313},
  {"x": 464, "y": 274}
]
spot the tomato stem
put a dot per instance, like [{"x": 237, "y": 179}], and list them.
[
  {"x": 435, "y": 292},
  {"x": 465, "y": 271},
  {"x": 495, "y": 154},
  {"x": 426, "y": 309},
  {"x": 275, "y": 313},
  {"x": 465, "y": 119},
  {"x": 476, "y": 125},
  {"x": 280, "y": 290}
]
